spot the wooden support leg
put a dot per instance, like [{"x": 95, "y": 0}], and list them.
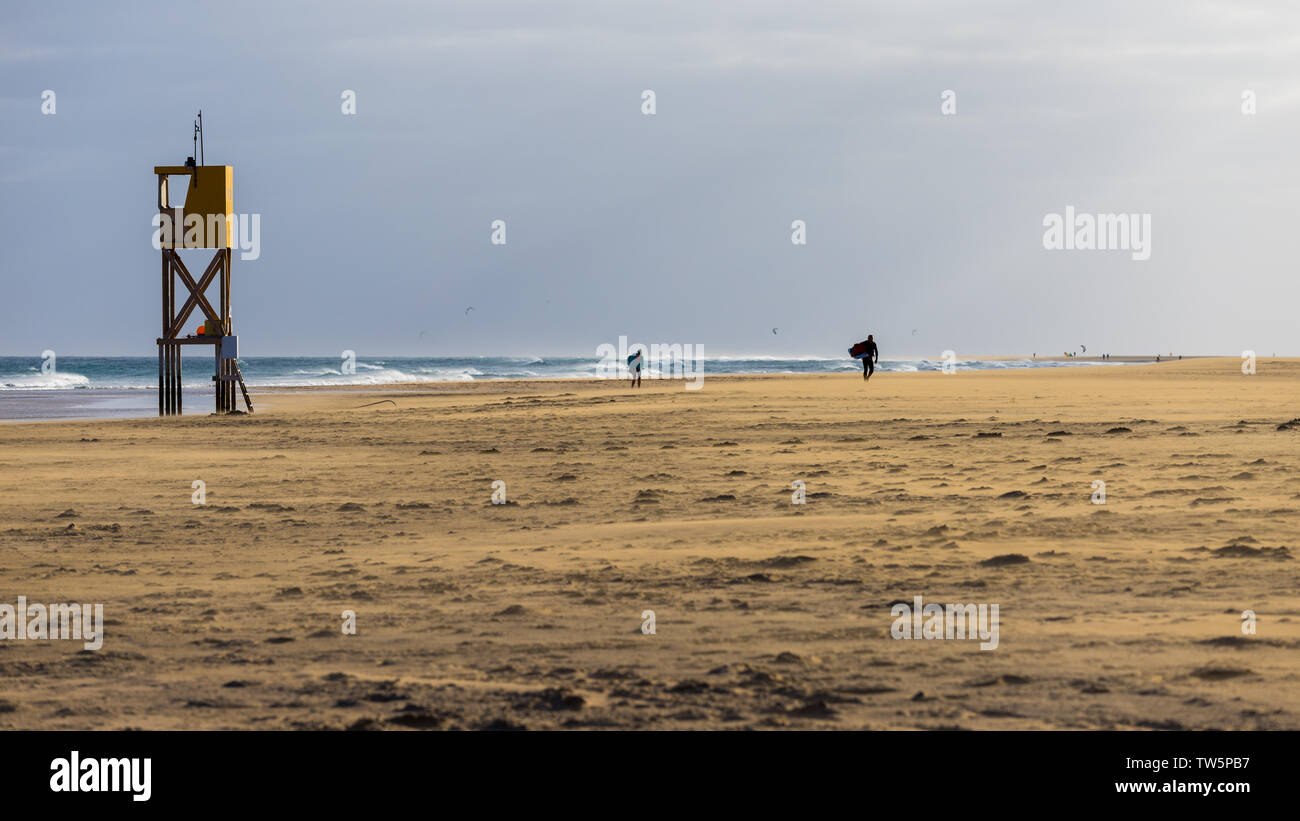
[
  {"x": 176, "y": 382},
  {"x": 161, "y": 385},
  {"x": 167, "y": 378},
  {"x": 171, "y": 379},
  {"x": 170, "y": 390}
]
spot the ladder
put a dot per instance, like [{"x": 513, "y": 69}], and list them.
[
  {"x": 238, "y": 376},
  {"x": 242, "y": 387}
]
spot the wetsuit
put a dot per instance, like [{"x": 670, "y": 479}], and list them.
[
  {"x": 634, "y": 362},
  {"x": 868, "y": 367}
]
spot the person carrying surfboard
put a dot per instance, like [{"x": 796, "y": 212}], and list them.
[
  {"x": 868, "y": 353},
  {"x": 634, "y": 361}
]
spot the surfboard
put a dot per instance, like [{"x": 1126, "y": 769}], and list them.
[{"x": 858, "y": 351}]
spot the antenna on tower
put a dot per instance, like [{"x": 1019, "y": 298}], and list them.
[
  {"x": 198, "y": 148},
  {"x": 189, "y": 161}
]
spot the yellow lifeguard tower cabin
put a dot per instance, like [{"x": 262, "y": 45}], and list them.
[{"x": 206, "y": 220}]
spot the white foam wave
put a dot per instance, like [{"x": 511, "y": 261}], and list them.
[
  {"x": 381, "y": 376},
  {"x": 57, "y": 381}
]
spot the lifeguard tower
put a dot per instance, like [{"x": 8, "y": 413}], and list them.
[{"x": 210, "y": 211}]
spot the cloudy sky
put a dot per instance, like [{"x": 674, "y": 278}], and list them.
[{"x": 924, "y": 228}]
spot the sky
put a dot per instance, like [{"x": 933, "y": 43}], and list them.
[{"x": 924, "y": 228}]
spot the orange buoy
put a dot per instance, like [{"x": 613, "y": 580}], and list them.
[{"x": 200, "y": 331}]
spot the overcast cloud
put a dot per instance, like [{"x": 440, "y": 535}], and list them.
[{"x": 674, "y": 227}]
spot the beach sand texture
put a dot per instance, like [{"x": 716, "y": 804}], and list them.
[{"x": 970, "y": 488}]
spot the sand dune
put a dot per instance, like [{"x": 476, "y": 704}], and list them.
[{"x": 964, "y": 488}]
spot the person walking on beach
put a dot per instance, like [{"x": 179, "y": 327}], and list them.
[
  {"x": 634, "y": 365},
  {"x": 869, "y": 354}
]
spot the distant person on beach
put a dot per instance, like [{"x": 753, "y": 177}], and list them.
[
  {"x": 869, "y": 354},
  {"x": 634, "y": 365}
]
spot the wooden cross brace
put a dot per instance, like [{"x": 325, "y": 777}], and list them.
[{"x": 196, "y": 289}]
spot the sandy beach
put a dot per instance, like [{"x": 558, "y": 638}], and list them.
[{"x": 966, "y": 488}]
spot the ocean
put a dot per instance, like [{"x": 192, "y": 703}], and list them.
[{"x": 79, "y": 387}]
